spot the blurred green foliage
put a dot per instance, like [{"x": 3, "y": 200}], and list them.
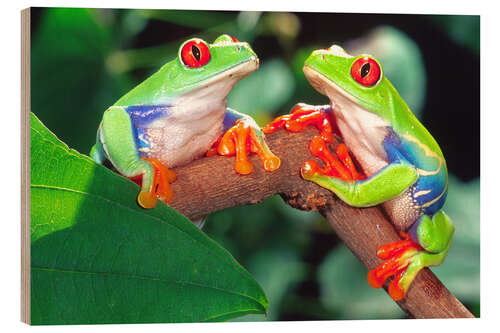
[
  {"x": 462, "y": 29},
  {"x": 83, "y": 60}
]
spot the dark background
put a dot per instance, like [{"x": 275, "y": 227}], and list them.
[{"x": 83, "y": 60}]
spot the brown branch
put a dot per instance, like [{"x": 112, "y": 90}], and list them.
[{"x": 210, "y": 184}]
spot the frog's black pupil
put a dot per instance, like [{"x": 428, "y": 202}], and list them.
[
  {"x": 196, "y": 52},
  {"x": 365, "y": 69}
]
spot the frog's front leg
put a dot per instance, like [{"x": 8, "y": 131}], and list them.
[
  {"x": 243, "y": 135},
  {"x": 338, "y": 164},
  {"x": 388, "y": 183},
  {"x": 426, "y": 244},
  {"x": 116, "y": 140},
  {"x": 303, "y": 115}
]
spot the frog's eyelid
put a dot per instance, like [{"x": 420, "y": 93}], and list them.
[
  {"x": 336, "y": 51},
  {"x": 226, "y": 43}
]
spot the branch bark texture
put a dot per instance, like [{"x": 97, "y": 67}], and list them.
[{"x": 211, "y": 184}]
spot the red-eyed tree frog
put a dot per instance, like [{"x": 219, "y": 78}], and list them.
[
  {"x": 179, "y": 114},
  {"x": 403, "y": 167}
]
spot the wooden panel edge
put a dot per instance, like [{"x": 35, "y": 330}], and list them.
[{"x": 25, "y": 165}]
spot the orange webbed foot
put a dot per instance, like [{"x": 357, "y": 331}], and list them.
[
  {"x": 338, "y": 164},
  {"x": 161, "y": 188},
  {"x": 241, "y": 139},
  {"x": 303, "y": 115},
  {"x": 398, "y": 256},
  {"x": 343, "y": 168}
]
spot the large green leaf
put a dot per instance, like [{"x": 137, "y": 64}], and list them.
[{"x": 96, "y": 257}]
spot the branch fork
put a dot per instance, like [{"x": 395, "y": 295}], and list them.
[{"x": 211, "y": 184}]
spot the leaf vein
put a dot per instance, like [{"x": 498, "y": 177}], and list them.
[
  {"x": 52, "y": 187},
  {"x": 142, "y": 277}
]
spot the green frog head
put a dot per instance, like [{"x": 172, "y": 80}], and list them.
[{"x": 199, "y": 69}]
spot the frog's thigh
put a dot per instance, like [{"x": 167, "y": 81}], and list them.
[
  {"x": 119, "y": 144},
  {"x": 386, "y": 184},
  {"x": 434, "y": 234}
]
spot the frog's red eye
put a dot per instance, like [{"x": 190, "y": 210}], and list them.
[
  {"x": 234, "y": 39},
  {"x": 366, "y": 71},
  {"x": 195, "y": 53}
]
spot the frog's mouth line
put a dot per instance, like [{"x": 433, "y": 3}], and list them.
[
  {"x": 319, "y": 81},
  {"x": 210, "y": 96},
  {"x": 238, "y": 71}
]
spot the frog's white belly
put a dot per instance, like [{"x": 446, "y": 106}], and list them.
[
  {"x": 176, "y": 142},
  {"x": 363, "y": 133}
]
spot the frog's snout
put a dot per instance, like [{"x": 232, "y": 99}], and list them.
[
  {"x": 246, "y": 48},
  {"x": 256, "y": 60}
]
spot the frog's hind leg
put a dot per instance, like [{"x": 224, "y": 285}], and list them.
[
  {"x": 428, "y": 245},
  {"x": 97, "y": 152},
  {"x": 118, "y": 144}
]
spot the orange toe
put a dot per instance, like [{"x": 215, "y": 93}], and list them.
[
  {"x": 333, "y": 166},
  {"x": 395, "y": 291},
  {"x": 147, "y": 200},
  {"x": 162, "y": 177},
  {"x": 397, "y": 257},
  {"x": 241, "y": 140}
]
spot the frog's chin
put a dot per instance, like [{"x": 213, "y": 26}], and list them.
[
  {"x": 327, "y": 87},
  {"x": 362, "y": 130},
  {"x": 210, "y": 96}
]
